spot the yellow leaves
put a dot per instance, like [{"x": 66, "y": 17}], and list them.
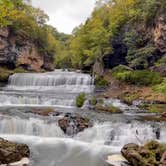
[{"x": 8, "y": 13}]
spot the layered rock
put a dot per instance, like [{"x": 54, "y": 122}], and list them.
[
  {"x": 16, "y": 52},
  {"x": 11, "y": 152}
]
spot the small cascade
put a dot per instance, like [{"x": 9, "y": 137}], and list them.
[
  {"x": 32, "y": 126},
  {"x": 38, "y": 100}
]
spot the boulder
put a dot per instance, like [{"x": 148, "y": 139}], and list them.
[
  {"x": 11, "y": 152},
  {"x": 73, "y": 124},
  {"x": 151, "y": 154}
]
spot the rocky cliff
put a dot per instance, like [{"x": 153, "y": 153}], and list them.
[
  {"x": 17, "y": 52},
  {"x": 140, "y": 45}
]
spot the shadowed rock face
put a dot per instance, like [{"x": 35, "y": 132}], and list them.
[
  {"x": 15, "y": 52},
  {"x": 12, "y": 152}
]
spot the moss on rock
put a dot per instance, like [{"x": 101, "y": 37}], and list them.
[{"x": 4, "y": 74}]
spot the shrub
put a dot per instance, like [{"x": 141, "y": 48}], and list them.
[
  {"x": 100, "y": 82},
  {"x": 80, "y": 100},
  {"x": 143, "y": 77}
]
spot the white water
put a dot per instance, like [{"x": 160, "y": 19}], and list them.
[
  {"x": 57, "y": 81},
  {"x": 49, "y": 145}
]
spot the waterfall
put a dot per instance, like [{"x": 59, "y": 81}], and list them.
[
  {"x": 47, "y": 142},
  {"x": 57, "y": 81}
]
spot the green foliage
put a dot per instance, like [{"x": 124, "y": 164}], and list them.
[
  {"x": 8, "y": 12},
  {"x": 101, "y": 82},
  {"x": 161, "y": 88},
  {"x": 137, "y": 77},
  {"x": 93, "y": 40},
  {"x": 138, "y": 54},
  {"x": 80, "y": 100}
]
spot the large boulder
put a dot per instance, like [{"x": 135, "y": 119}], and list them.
[
  {"x": 73, "y": 124},
  {"x": 151, "y": 154},
  {"x": 11, "y": 152}
]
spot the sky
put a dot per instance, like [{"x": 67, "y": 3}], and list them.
[{"x": 65, "y": 15}]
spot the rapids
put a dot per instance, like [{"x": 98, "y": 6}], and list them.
[{"x": 48, "y": 144}]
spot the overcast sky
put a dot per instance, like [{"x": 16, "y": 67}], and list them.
[{"x": 66, "y": 14}]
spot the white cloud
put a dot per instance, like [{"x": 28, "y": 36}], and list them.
[{"x": 66, "y": 14}]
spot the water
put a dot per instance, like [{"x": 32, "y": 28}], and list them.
[{"x": 48, "y": 144}]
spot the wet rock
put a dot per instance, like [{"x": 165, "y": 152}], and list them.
[
  {"x": 110, "y": 109},
  {"x": 44, "y": 112},
  {"x": 151, "y": 154},
  {"x": 11, "y": 152},
  {"x": 73, "y": 124}
]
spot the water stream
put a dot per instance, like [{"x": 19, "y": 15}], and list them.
[{"x": 49, "y": 145}]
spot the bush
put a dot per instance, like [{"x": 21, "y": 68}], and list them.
[
  {"x": 143, "y": 77},
  {"x": 80, "y": 100},
  {"x": 100, "y": 82}
]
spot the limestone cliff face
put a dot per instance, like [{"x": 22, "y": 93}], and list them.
[{"x": 16, "y": 52}]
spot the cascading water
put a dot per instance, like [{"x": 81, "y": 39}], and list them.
[{"x": 48, "y": 144}]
